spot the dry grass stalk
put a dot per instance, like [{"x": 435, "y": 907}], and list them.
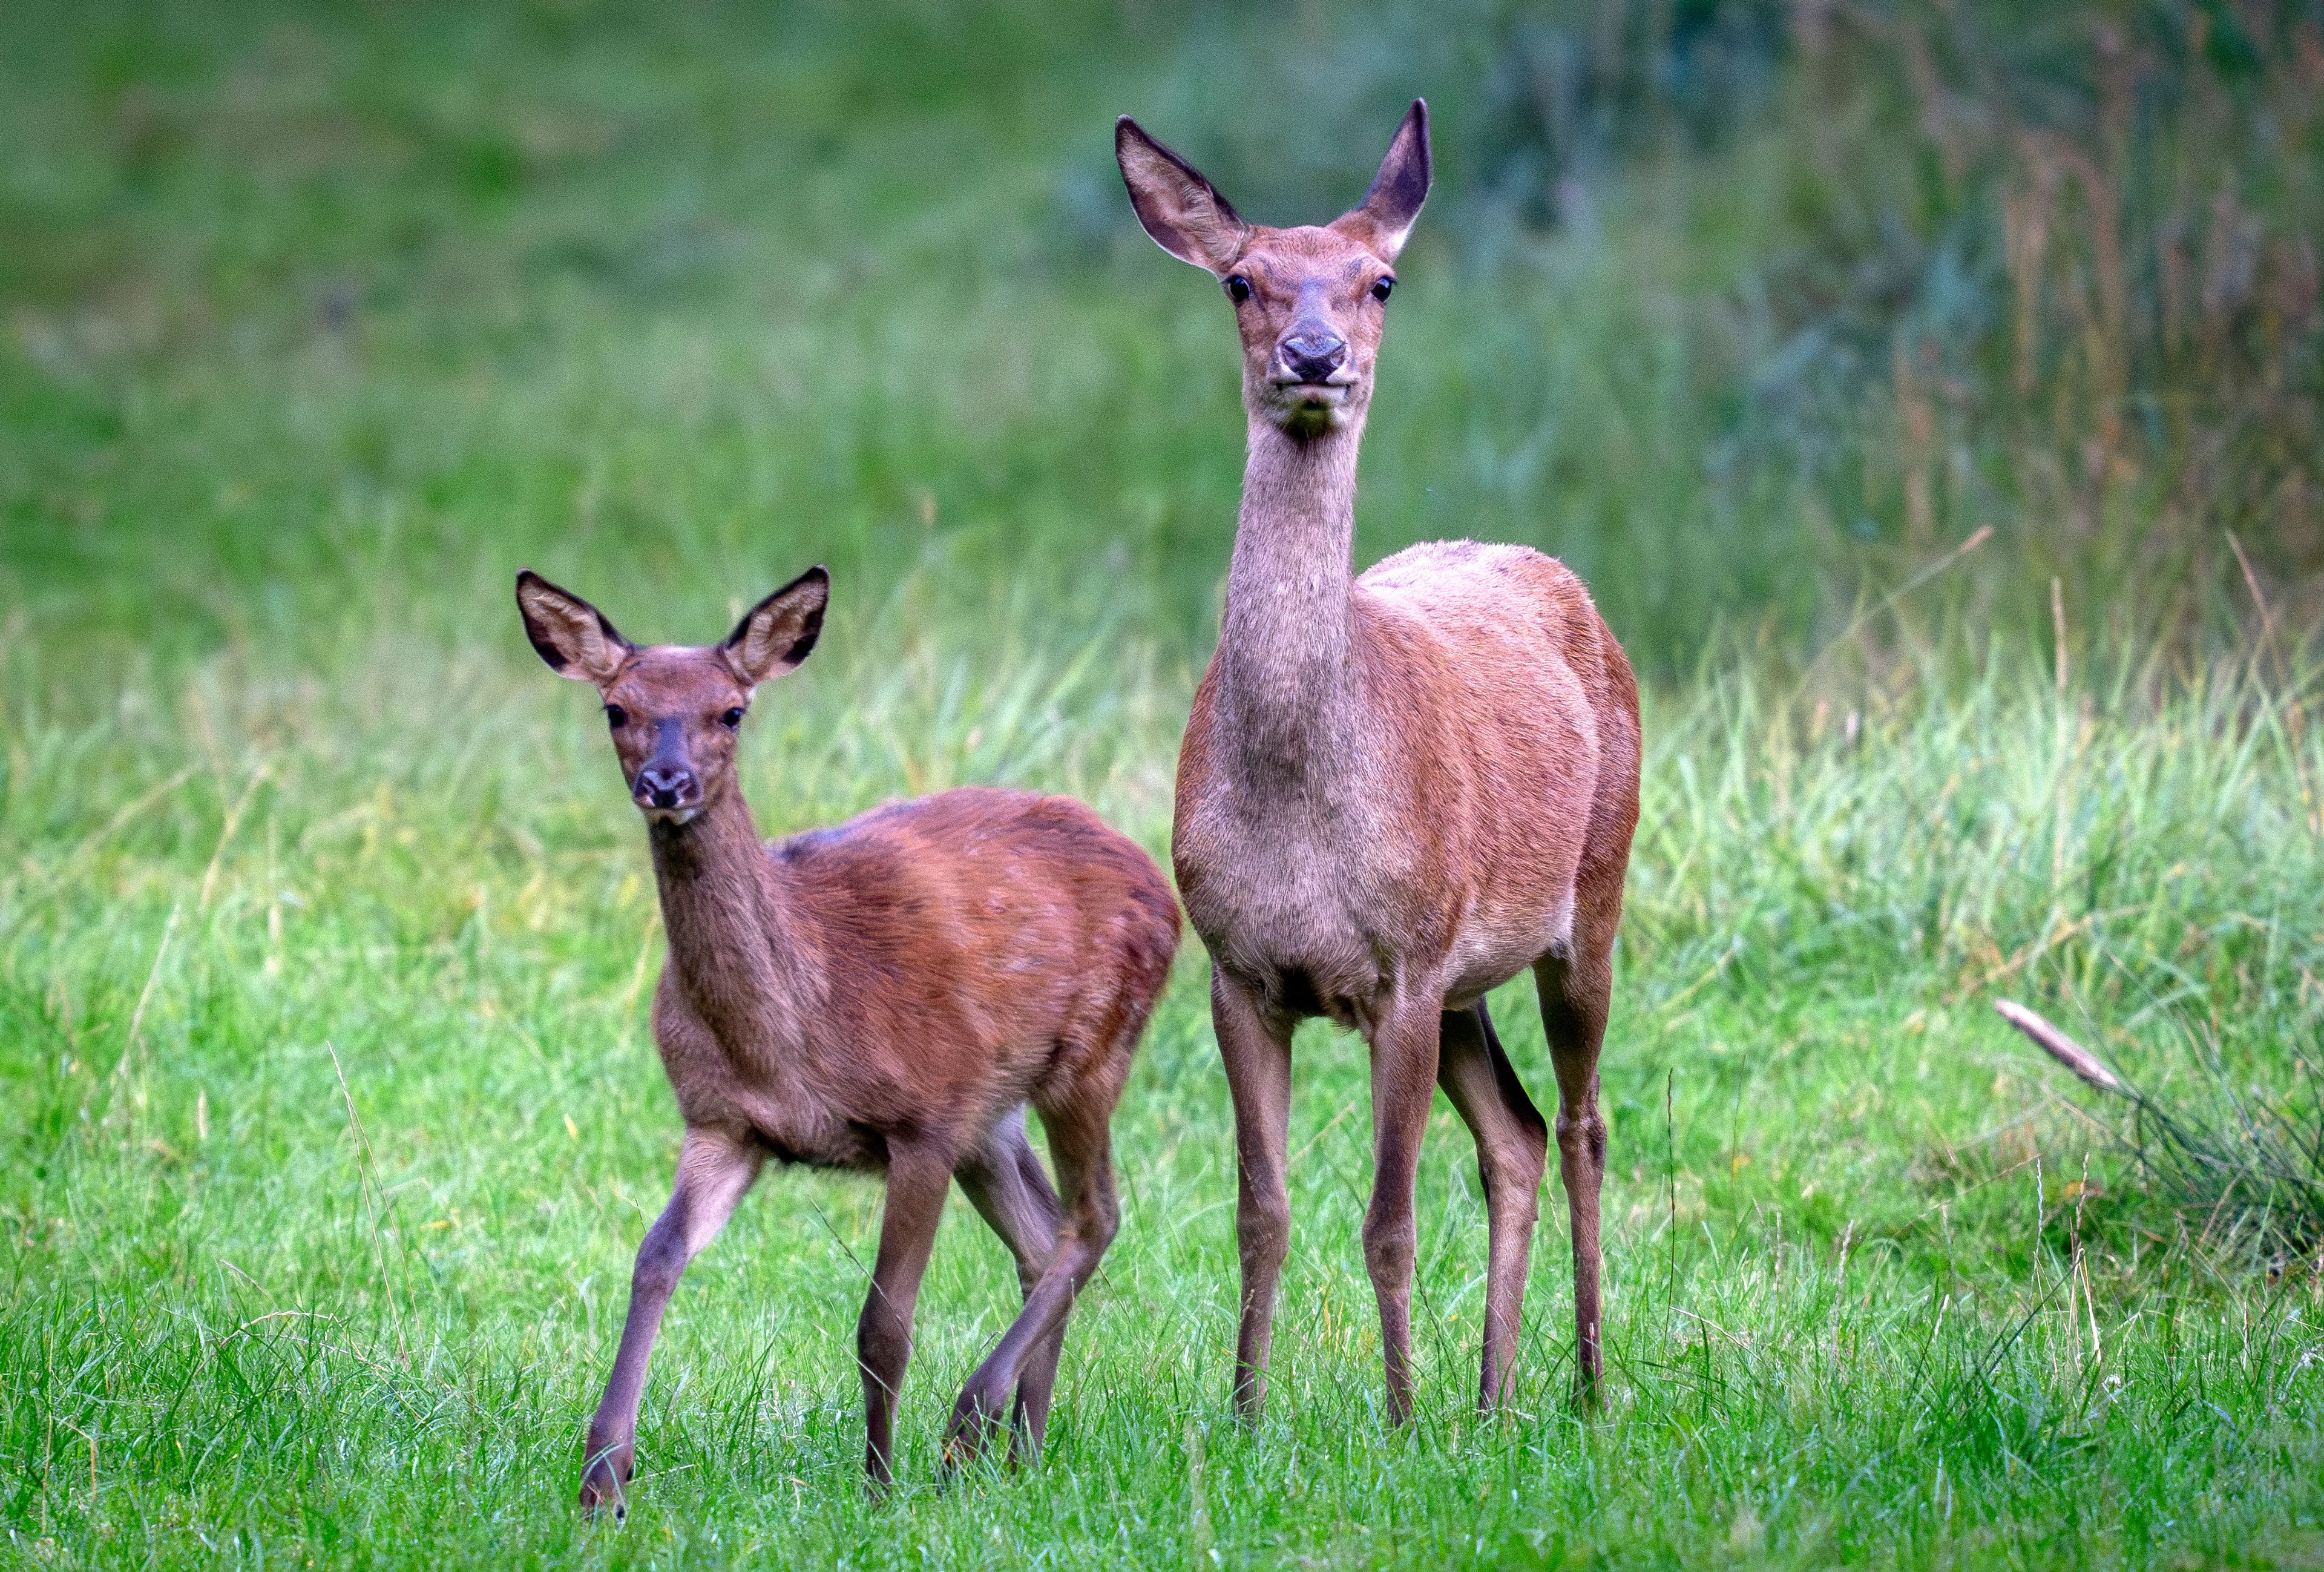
[{"x": 2061, "y": 1047}]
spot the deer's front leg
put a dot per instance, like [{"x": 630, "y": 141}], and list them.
[
  {"x": 1404, "y": 1044},
  {"x": 715, "y": 1170},
  {"x": 919, "y": 1179},
  {"x": 1256, "y": 1049}
]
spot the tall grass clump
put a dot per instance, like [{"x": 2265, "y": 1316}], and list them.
[
  {"x": 2243, "y": 1166},
  {"x": 2135, "y": 844}
]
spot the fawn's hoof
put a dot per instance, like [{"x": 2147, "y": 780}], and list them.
[
  {"x": 602, "y": 1486},
  {"x": 975, "y": 1418}
]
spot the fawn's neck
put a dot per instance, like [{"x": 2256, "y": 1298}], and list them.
[
  {"x": 734, "y": 938},
  {"x": 1285, "y": 685}
]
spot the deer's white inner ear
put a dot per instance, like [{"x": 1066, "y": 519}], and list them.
[
  {"x": 1180, "y": 209},
  {"x": 778, "y": 634},
  {"x": 1386, "y": 243}
]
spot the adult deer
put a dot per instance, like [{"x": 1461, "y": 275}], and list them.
[
  {"x": 1396, "y": 791},
  {"x": 883, "y": 995}
]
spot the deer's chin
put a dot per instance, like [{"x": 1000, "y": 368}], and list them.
[
  {"x": 684, "y": 814},
  {"x": 1307, "y": 408}
]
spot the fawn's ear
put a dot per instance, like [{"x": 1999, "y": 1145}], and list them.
[
  {"x": 776, "y": 635},
  {"x": 1179, "y": 208},
  {"x": 1385, "y": 217},
  {"x": 572, "y": 635}
]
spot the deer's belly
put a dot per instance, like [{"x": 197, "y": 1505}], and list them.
[{"x": 1486, "y": 954}]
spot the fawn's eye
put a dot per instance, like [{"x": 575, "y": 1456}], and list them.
[
  {"x": 1381, "y": 289},
  {"x": 616, "y": 717},
  {"x": 1237, "y": 289},
  {"x": 732, "y": 720}
]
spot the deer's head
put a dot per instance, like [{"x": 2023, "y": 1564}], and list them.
[
  {"x": 1309, "y": 301},
  {"x": 675, "y": 709}
]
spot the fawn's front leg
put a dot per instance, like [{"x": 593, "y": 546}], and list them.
[
  {"x": 715, "y": 1170},
  {"x": 919, "y": 1179}
]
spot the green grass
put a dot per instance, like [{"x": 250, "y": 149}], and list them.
[{"x": 329, "y": 1115}]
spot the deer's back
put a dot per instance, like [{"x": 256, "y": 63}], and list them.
[{"x": 1506, "y": 635}]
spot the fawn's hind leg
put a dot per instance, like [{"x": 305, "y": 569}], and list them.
[
  {"x": 1005, "y": 1182},
  {"x": 1082, "y": 1145}
]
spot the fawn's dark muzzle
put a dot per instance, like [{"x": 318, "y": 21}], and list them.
[
  {"x": 659, "y": 788},
  {"x": 667, "y": 783}
]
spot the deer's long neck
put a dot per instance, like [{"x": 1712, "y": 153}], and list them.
[
  {"x": 735, "y": 940},
  {"x": 1286, "y": 682}
]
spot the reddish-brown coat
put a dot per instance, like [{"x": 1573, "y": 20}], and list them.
[{"x": 947, "y": 960}]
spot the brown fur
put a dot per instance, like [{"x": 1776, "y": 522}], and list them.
[
  {"x": 1395, "y": 793},
  {"x": 883, "y": 995}
]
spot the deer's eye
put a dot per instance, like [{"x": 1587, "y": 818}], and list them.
[
  {"x": 732, "y": 720},
  {"x": 1381, "y": 289},
  {"x": 616, "y": 717},
  {"x": 1237, "y": 289}
]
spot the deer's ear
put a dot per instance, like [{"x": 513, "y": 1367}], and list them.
[
  {"x": 572, "y": 635},
  {"x": 776, "y": 635},
  {"x": 1179, "y": 208},
  {"x": 1385, "y": 217}
]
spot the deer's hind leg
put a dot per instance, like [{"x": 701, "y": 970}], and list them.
[
  {"x": 1006, "y": 1183},
  {"x": 1512, "y": 1152},
  {"x": 1575, "y": 993}
]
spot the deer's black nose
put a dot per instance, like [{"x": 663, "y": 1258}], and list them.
[
  {"x": 1311, "y": 356},
  {"x": 666, "y": 786}
]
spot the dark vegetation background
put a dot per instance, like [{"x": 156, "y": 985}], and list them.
[{"x": 1929, "y": 393}]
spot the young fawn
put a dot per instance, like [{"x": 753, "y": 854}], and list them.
[
  {"x": 1396, "y": 791},
  {"x": 883, "y": 995}
]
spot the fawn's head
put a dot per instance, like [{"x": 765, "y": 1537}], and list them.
[
  {"x": 1308, "y": 300},
  {"x": 675, "y": 708}
]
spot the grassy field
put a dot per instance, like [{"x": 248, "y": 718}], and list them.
[{"x": 329, "y": 1115}]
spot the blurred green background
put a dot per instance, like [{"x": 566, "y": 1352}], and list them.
[
  {"x": 1930, "y": 394},
  {"x": 1741, "y": 309}
]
